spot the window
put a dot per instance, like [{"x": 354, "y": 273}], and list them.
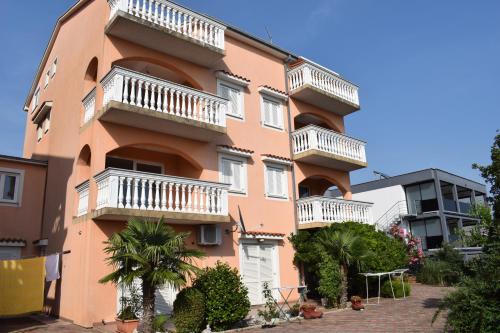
[
  {"x": 39, "y": 132},
  {"x": 304, "y": 191},
  {"x": 10, "y": 183},
  {"x": 126, "y": 164},
  {"x": 272, "y": 115},
  {"x": 53, "y": 68},
  {"x": 276, "y": 182},
  {"x": 234, "y": 94},
  {"x": 421, "y": 198},
  {"x": 47, "y": 78},
  {"x": 36, "y": 96},
  {"x": 233, "y": 171},
  {"x": 429, "y": 231},
  {"x": 46, "y": 123}
]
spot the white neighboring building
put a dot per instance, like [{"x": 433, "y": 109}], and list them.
[{"x": 433, "y": 204}]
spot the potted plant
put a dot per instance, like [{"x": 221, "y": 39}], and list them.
[
  {"x": 356, "y": 303},
  {"x": 309, "y": 311},
  {"x": 270, "y": 314},
  {"x": 127, "y": 320}
]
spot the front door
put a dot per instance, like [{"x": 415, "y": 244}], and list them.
[{"x": 259, "y": 265}]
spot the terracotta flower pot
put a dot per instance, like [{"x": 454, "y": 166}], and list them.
[
  {"x": 309, "y": 311},
  {"x": 126, "y": 326},
  {"x": 356, "y": 303}
]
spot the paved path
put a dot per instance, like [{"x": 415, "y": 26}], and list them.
[{"x": 413, "y": 314}]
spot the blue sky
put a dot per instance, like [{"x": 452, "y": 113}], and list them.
[{"x": 428, "y": 70}]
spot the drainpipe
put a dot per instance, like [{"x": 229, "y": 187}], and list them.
[{"x": 294, "y": 187}]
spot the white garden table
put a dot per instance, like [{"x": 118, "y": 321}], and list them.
[
  {"x": 379, "y": 275},
  {"x": 285, "y": 293}
]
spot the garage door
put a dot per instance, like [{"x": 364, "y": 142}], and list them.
[
  {"x": 259, "y": 265},
  {"x": 10, "y": 253}
]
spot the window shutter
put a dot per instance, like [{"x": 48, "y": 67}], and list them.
[
  {"x": 236, "y": 168},
  {"x": 226, "y": 171},
  {"x": 279, "y": 181},
  {"x": 233, "y": 95},
  {"x": 267, "y": 113}
]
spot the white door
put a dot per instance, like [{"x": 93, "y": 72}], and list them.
[
  {"x": 164, "y": 297},
  {"x": 10, "y": 253},
  {"x": 259, "y": 265}
]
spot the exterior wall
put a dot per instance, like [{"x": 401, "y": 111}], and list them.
[
  {"x": 24, "y": 220},
  {"x": 78, "y": 296},
  {"x": 383, "y": 199}
]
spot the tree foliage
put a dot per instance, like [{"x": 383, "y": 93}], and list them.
[{"x": 153, "y": 253}]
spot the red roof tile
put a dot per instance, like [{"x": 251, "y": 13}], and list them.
[
  {"x": 274, "y": 89},
  {"x": 234, "y": 75},
  {"x": 248, "y": 151},
  {"x": 278, "y": 157},
  {"x": 264, "y": 233}
]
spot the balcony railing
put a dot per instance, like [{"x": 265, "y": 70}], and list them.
[
  {"x": 173, "y": 17},
  {"x": 88, "y": 106},
  {"x": 141, "y": 90},
  {"x": 323, "y": 79},
  {"x": 315, "y": 137},
  {"x": 83, "y": 198},
  {"x": 317, "y": 209},
  {"x": 154, "y": 192}
]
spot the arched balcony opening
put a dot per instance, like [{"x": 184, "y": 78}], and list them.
[
  {"x": 82, "y": 180},
  {"x": 89, "y": 90},
  {"x": 305, "y": 119},
  {"x": 318, "y": 186},
  {"x": 154, "y": 181},
  {"x": 162, "y": 71}
]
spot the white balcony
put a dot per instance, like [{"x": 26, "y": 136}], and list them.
[
  {"x": 169, "y": 28},
  {"x": 88, "y": 107},
  {"x": 83, "y": 198},
  {"x": 317, "y": 211},
  {"x": 123, "y": 193},
  {"x": 316, "y": 85},
  {"x": 316, "y": 145},
  {"x": 139, "y": 100}
]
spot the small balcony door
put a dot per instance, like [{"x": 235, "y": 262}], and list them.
[{"x": 259, "y": 264}]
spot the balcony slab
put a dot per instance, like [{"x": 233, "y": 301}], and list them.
[
  {"x": 129, "y": 115},
  {"x": 329, "y": 160},
  {"x": 327, "y": 101},
  {"x": 148, "y": 34},
  {"x": 123, "y": 214}
]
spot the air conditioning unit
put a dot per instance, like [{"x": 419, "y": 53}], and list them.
[{"x": 209, "y": 234}]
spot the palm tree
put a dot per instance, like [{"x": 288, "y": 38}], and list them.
[
  {"x": 345, "y": 248},
  {"x": 154, "y": 253}
]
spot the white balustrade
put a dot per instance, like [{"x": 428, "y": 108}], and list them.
[
  {"x": 315, "y": 137},
  {"x": 158, "y": 95},
  {"x": 323, "y": 209},
  {"x": 323, "y": 79},
  {"x": 82, "y": 191},
  {"x": 88, "y": 106},
  {"x": 173, "y": 17},
  {"x": 147, "y": 191}
]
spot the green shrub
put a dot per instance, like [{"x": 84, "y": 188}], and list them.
[
  {"x": 384, "y": 253},
  {"x": 385, "y": 290},
  {"x": 159, "y": 323},
  {"x": 329, "y": 280},
  {"x": 189, "y": 311},
  {"x": 438, "y": 272},
  {"x": 226, "y": 297}
]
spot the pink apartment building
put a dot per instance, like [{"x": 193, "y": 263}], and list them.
[{"x": 156, "y": 110}]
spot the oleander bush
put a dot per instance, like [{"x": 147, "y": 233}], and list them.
[
  {"x": 385, "y": 290},
  {"x": 189, "y": 311},
  {"x": 329, "y": 280}
]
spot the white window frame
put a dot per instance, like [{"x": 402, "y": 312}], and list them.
[
  {"x": 53, "y": 68},
  {"x": 19, "y": 174},
  {"x": 47, "y": 79},
  {"x": 284, "y": 181},
  {"x": 241, "y": 98},
  {"x": 46, "y": 123},
  {"x": 244, "y": 176},
  {"x": 36, "y": 97},
  {"x": 279, "y": 127}
]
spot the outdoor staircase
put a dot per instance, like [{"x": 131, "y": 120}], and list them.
[{"x": 393, "y": 215}]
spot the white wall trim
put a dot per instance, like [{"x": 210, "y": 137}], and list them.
[
  {"x": 233, "y": 151},
  {"x": 231, "y": 79},
  {"x": 272, "y": 93}
]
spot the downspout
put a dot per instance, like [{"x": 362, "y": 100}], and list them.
[
  {"x": 43, "y": 249},
  {"x": 294, "y": 187}
]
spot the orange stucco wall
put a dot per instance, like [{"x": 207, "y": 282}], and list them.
[
  {"x": 23, "y": 220},
  {"x": 78, "y": 296}
]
